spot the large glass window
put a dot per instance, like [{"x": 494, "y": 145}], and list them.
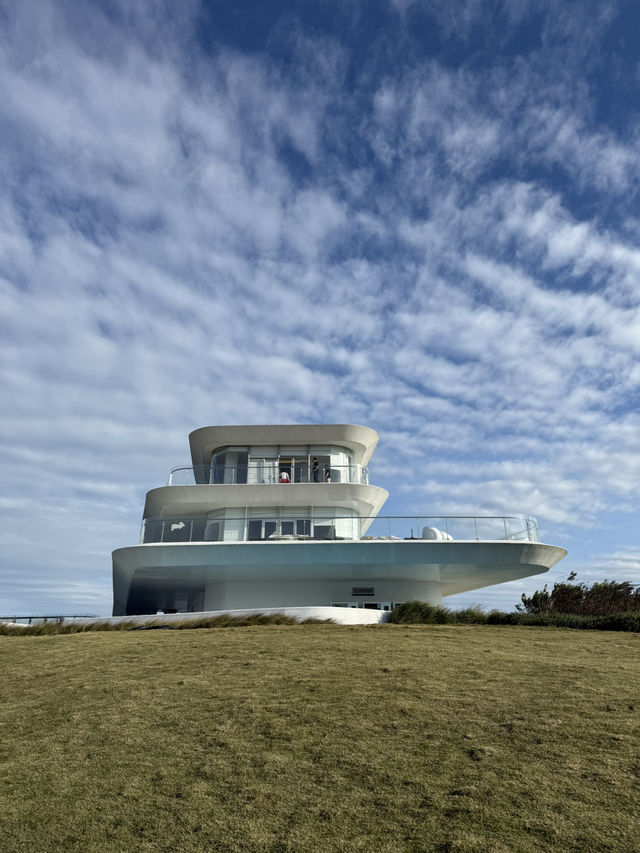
[
  {"x": 303, "y": 527},
  {"x": 237, "y": 524},
  {"x": 170, "y": 529},
  {"x": 218, "y": 463},
  {"x": 320, "y": 468},
  {"x": 335, "y": 523},
  {"x": 151, "y": 530},
  {"x": 214, "y": 526},
  {"x": 230, "y": 465},
  {"x": 260, "y": 528},
  {"x": 292, "y": 464},
  {"x": 330, "y": 465},
  {"x": 254, "y": 530},
  {"x": 300, "y": 523},
  {"x": 234, "y": 524},
  {"x": 260, "y": 464},
  {"x": 237, "y": 465}
]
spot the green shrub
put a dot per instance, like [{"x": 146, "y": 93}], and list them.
[
  {"x": 629, "y": 621},
  {"x": 602, "y": 598},
  {"x": 422, "y": 613},
  {"x": 416, "y": 613},
  {"x": 474, "y": 615}
]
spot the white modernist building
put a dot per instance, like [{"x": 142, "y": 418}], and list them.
[{"x": 285, "y": 516}]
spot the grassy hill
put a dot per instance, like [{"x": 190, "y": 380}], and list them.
[{"x": 318, "y": 737}]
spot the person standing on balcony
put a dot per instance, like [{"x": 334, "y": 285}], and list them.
[
  {"x": 327, "y": 474},
  {"x": 315, "y": 469}
]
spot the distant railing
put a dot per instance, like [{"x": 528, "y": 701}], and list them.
[
  {"x": 321, "y": 526},
  {"x": 267, "y": 473},
  {"x": 27, "y": 620}
]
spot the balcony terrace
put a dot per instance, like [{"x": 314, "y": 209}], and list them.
[
  {"x": 282, "y": 526},
  {"x": 267, "y": 474}
]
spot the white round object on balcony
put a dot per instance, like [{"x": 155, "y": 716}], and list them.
[{"x": 434, "y": 534}]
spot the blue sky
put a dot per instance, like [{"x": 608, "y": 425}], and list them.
[{"x": 418, "y": 216}]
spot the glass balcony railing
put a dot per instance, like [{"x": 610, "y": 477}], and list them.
[
  {"x": 207, "y": 528},
  {"x": 268, "y": 473}
]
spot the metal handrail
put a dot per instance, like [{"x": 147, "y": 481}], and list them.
[
  {"x": 260, "y": 474},
  {"x": 29, "y": 619},
  {"x": 285, "y": 526}
]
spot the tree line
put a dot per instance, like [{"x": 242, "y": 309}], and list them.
[{"x": 603, "y": 598}]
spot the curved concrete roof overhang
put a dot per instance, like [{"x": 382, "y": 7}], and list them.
[
  {"x": 459, "y": 566},
  {"x": 167, "y": 501},
  {"x": 360, "y": 440}
]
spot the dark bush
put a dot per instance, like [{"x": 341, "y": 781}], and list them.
[
  {"x": 629, "y": 621},
  {"x": 418, "y": 613},
  {"x": 603, "y": 598},
  {"x": 422, "y": 613},
  {"x": 470, "y": 616}
]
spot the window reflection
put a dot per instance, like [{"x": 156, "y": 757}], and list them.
[{"x": 260, "y": 464}]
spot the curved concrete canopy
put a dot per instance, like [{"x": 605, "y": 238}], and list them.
[
  {"x": 360, "y": 440},
  {"x": 166, "y": 501},
  {"x": 405, "y": 569}
]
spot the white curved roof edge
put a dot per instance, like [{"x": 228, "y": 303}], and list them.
[
  {"x": 367, "y": 500},
  {"x": 361, "y": 440}
]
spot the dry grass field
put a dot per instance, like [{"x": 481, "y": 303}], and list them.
[{"x": 318, "y": 737}]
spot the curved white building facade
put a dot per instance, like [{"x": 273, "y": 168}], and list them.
[{"x": 285, "y": 516}]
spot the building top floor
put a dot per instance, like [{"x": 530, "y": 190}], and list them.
[{"x": 295, "y": 440}]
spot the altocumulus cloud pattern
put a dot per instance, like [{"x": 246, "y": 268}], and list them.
[{"x": 419, "y": 216}]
